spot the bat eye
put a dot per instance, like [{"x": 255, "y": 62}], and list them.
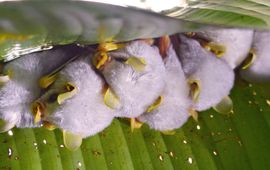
[
  {"x": 52, "y": 98},
  {"x": 119, "y": 59}
]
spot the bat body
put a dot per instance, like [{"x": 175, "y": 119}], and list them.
[
  {"x": 236, "y": 43},
  {"x": 84, "y": 112},
  {"x": 22, "y": 88},
  {"x": 259, "y": 70},
  {"x": 172, "y": 113},
  {"x": 213, "y": 76},
  {"x": 136, "y": 89}
]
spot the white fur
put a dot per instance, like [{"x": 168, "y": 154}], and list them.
[
  {"x": 23, "y": 88},
  {"x": 173, "y": 111},
  {"x": 85, "y": 113},
  {"x": 135, "y": 90},
  {"x": 236, "y": 41},
  {"x": 216, "y": 76},
  {"x": 259, "y": 71}
]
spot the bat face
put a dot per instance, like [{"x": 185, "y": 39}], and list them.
[
  {"x": 236, "y": 43},
  {"x": 259, "y": 61},
  {"x": 19, "y": 82},
  {"x": 74, "y": 102},
  {"x": 136, "y": 75},
  {"x": 173, "y": 110},
  {"x": 210, "y": 80}
]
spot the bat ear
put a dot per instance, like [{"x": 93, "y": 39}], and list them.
[
  {"x": 6, "y": 125},
  {"x": 218, "y": 49},
  {"x": 155, "y": 105},
  {"x": 225, "y": 106},
  {"x": 100, "y": 59},
  {"x": 72, "y": 141},
  {"x": 249, "y": 60},
  {"x": 71, "y": 90},
  {"x": 195, "y": 89},
  {"x": 110, "y": 99},
  {"x": 137, "y": 63},
  {"x": 46, "y": 81}
]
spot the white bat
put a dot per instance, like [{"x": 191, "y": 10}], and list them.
[
  {"x": 173, "y": 111},
  {"x": 20, "y": 84},
  {"x": 230, "y": 44},
  {"x": 136, "y": 75},
  {"x": 210, "y": 78},
  {"x": 74, "y": 102},
  {"x": 257, "y": 66}
]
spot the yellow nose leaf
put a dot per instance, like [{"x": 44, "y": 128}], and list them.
[
  {"x": 37, "y": 112},
  {"x": 135, "y": 124},
  {"x": 110, "y": 99},
  {"x": 70, "y": 89},
  {"x": 6, "y": 126},
  {"x": 72, "y": 141},
  {"x": 138, "y": 64},
  {"x": 168, "y": 132},
  {"x": 100, "y": 59},
  {"x": 218, "y": 49},
  {"x": 249, "y": 60},
  {"x": 155, "y": 105},
  {"x": 225, "y": 106},
  {"x": 195, "y": 89},
  {"x": 46, "y": 81}
]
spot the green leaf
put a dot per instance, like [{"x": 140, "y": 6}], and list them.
[
  {"x": 235, "y": 13},
  {"x": 237, "y": 141},
  {"x": 45, "y": 23}
]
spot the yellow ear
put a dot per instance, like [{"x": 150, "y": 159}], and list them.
[
  {"x": 155, "y": 105},
  {"x": 195, "y": 89},
  {"x": 218, "y": 49},
  {"x": 71, "y": 141},
  {"x": 100, "y": 59},
  {"x": 225, "y": 106},
  {"x": 6, "y": 126},
  {"x": 71, "y": 90},
  {"x": 250, "y": 59},
  {"x": 110, "y": 99},
  {"x": 138, "y": 64},
  {"x": 46, "y": 81}
]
